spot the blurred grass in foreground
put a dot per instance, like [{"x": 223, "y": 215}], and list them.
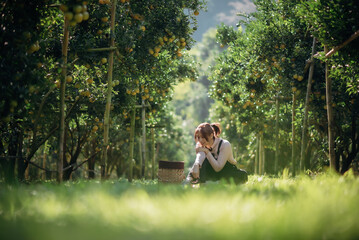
[{"x": 321, "y": 207}]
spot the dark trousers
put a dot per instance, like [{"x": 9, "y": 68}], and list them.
[{"x": 229, "y": 171}]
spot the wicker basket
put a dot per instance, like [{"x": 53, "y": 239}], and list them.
[{"x": 170, "y": 172}]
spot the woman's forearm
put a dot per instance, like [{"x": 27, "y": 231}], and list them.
[
  {"x": 200, "y": 156},
  {"x": 218, "y": 164}
]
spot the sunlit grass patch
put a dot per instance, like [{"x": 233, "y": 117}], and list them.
[{"x": 319, "y": 207}]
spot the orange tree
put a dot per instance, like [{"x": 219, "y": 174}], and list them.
[
  {"x": 333, "y": 23},
  {"x": 156, "y": 90},
  {"x": 21, "y": 73},
  {"x": 262, "y": 64},
  {"x": 268, "y": 61},
  {"x": 149, "y": 36}
]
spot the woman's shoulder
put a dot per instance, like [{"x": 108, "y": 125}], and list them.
[{"x": 225, "y": 142}]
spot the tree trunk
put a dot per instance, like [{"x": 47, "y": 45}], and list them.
[
  {"x": 276, "y": 135},
  {"x": 330, "y": 114},
  {"x": 109, "y": 92},
  {"x": 261, "y": 155},
  {"x": 9, "y": 170},
  {"x": 22, "y": 164},
  {"x": 65, "y": 44},
  {"x": 256, "y": 160},
  {"x": 132, "y": 143},
  {"x": 13, "y": 153},
  {"x": 67, "y": 174},
  {"x": 354, "y": 146},
  {"x": 143, "y": 148},
  {"x": 153, "y": 153},
  {"x": 92, "y": 160},
  {"x": 140, "y": 155},
  {"x": 306, "y": 108},
  {"x": 91, "y": 168},
  {"x": 308, "y": 155},
  {"x": 294, "y": 162},
  {"x": 44, "y": 156}
]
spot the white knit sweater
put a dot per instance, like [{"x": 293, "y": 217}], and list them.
[{"x": 225, "y": 154}]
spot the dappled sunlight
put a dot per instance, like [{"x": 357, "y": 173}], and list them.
[{"x": 49, "y": 207}]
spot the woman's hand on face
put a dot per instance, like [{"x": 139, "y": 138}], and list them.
[
  {"x": 202, "y": 149},
  {"x": 198, "y": 146}
]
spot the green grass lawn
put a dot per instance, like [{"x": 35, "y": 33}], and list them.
[{"x": 321, "y": 207}]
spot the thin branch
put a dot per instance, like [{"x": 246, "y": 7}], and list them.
[
  {"x": 39, "y": 112},
  {"x": 48, "y": 170},
  {"x": 335, "y": 49},
  {"x": 88, "y": 159},
  {"x": 38, "y": 166},
  {"x": 101, "y": 49},
  {"x": 35, "y": 147}
]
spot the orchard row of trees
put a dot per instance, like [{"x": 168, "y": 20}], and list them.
[
  {"x": 81, "y": 79},
  {"x": 288, "y": 83}
]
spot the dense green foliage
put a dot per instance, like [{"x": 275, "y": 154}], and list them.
[
  {"x": 151, "y": 39},
  {"x": 317, "y": 207},
  {"x": 269, "y": 61}
]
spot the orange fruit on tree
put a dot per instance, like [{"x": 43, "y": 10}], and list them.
[
  {"x": 78, "y": 17},
  {"x": 157, "y": 49},
  {"x": 57, "y": 83},
  {"x": 68, "y": 78},
  {"x": 89, "y": 80},
  {"x": 69, "y": 16},
  {"x": 77, "y": 9}
]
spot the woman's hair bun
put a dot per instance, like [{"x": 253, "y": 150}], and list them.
[{"x": 217, "y": 128}]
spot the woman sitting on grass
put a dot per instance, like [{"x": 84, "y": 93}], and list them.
[{"x": 214, "y": 158}]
